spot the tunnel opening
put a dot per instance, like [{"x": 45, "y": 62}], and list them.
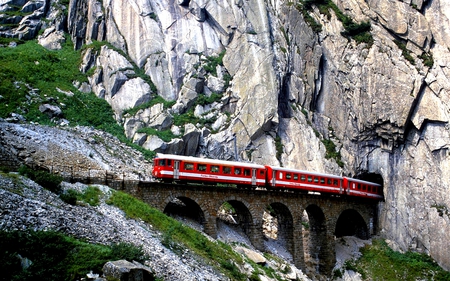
[
  {"x": 186, "y": 211},
  {"x": 372, "y": 177},
  {"x": 351, "y": 223}
]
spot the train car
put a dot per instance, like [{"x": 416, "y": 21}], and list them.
[
  {"x": 194, "y": 169},
  {"x": 278, "y": 177},
  {"x": 355, "y": 187}
]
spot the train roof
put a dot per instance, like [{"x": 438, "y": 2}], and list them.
[
  {"x": 304, "y": 172},
  {"x": 207, "y": 160}
]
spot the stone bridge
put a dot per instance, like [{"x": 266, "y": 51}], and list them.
[{"x": 323, "y": 217}]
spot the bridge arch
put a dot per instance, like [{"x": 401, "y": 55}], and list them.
[
  {"x": 316, "y": 240},
  {"x": 239, "y": 213},
  {"x": 351, "y": 223},
  {"x": 281, "y": 216},
  {"x": 184, "y": 207}
]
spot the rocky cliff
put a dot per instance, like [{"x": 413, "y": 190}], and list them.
[{"x": 357, "y": 88}]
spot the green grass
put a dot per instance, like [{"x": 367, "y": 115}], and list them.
[
  {"x": 211, "y": 63},
  {"x": 178, "y": 236},
  {"x": 379, "y": 262},
  {"x": 165, "y": 135},
  {"x": 405, "y": 52},
  {"x": 31, "y": 75},
  {"x": 332, "y": 153},
  {"x": 360, "y": 32},
  {"x": 155, "y": 100},
  {"x": 55, "y": 256},
  {"x": 46, "y": 179}
]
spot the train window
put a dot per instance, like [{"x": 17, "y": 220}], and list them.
[
  {"x": 169, "y": 162},
  {"x": 261, "y": 172},
  {"x": 214, "y": 169},
  {"x": 335, "y": 182},
  {"x": 280, "y": 175},
  {"x": 188, "y": 166},
  {"x": 295, "y": 177},
  {"x": 369, "y": 188},
  {"x": 237, "y": 171},
  {"x": 302, "y": 177},
  {"x": 288, "y": 176},
  {"x": 359, "y": 186},
  {"x": 227, "y": 170},
  {"x": 246, "y": 172},
  {"x": 316, "y": 180},
  {"x": 201, "y": 167},
  {"x": 364, "y": 187},
  {"x": 322, "y": 180},
  {"x": 309, "y": 178},
  {"x": 162, "y": 162}
]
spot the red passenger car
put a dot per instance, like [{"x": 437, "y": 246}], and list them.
[
  {"x": 303, "y": 180},
  {"x": 195, "y": 169},
  {"x": 354, "y": 187},
  {"x": 168, "y": 167}
]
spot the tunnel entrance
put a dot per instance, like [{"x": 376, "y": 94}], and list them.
[
  {"x": 187, "y": 211},
  {"x": 372, "y": 177},
  {"x": 351, "y": 223}
]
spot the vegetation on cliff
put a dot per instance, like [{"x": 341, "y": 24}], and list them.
[{"x": 380, "y": 262}]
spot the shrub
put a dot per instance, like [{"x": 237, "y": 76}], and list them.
[
  {"x": 70, "y": 196},
  {"x": 382, "y": 263},
  {"x": 45, "y": 179},
  {"x": 332, "y": 153},
  {"x": 405, "y": 52},
  {"x": 91, "y": 195},
  {"x": 55, "y": 256}
]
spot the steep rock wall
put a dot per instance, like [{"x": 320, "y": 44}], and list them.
[
  {"x": 380, "y": 103},
  {"x": 288, "y": 89}
]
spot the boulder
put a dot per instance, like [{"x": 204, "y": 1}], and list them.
[
  {"x": 252, "y": 255},
  {"x": 127, "y": 271},
  {"x": 50, "y": 110},
  {"x": 191, "y": 139}
]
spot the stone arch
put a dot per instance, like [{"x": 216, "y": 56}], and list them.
[
  {"x": 317, "y": 244},
  {"x": 247, "y": 221},
  {"x": 351, "y": 223},
  {"x": 185, "y": 207},
  {"x": 285, "y": 225},
  {"x": 241, "y": 215}
]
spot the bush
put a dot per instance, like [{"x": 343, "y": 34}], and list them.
[
  {"x": 54, "y": 256},
  {"x": 45, "y": 179},
  {"x": 382, "y": 263},
  {"x": 70, "y": 196}
]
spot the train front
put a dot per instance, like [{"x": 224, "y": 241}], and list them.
[{"x": 162, "y": 168}]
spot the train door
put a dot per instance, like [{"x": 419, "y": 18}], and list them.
[
  {"x": 176, "y": 169},
  {"x": 274, "y": 174},
  {"x": 254, "y": 176}
]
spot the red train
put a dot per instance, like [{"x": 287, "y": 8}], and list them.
[{"x": 169, "y": 167}]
